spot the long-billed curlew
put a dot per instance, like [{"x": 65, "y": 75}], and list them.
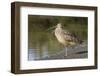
[{"x": 65, "y": 37}]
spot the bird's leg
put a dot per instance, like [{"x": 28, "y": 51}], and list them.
[{"x": 66, "y": 51}]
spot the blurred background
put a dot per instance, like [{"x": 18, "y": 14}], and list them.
[{"x": 43, "y": 45}]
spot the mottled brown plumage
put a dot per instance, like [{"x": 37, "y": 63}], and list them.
[{"x": 65, "y": 37}]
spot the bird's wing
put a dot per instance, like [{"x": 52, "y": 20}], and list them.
[{"x": 70, "y": 36}]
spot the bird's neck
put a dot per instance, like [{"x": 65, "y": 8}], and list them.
[{"x": 59, "y": 28}]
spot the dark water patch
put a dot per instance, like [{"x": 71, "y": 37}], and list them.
[{"x": 82, "y": 52}]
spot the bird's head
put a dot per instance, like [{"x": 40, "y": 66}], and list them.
[{"x": 59, "y": 25}]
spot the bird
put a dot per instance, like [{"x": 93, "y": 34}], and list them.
[{"x": 65, "y": 37}]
